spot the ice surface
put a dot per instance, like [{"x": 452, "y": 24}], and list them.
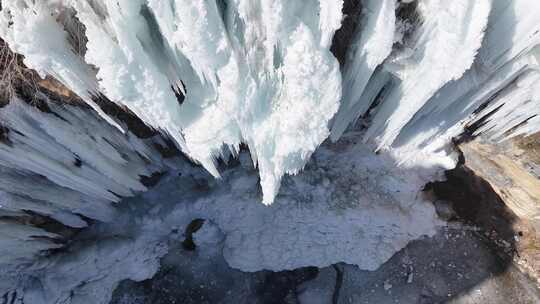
[{"x": 349, "y": 205}]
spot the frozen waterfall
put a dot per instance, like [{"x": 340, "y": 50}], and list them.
[{"x": 162, "y": 87}]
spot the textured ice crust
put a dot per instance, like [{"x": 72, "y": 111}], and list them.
[{"x": 349, "y": 205}]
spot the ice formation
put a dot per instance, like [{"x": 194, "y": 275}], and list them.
[
  {"x": 65, "y": 163},
  {"x": 372, "y": 44},
  {"x": 253, "y": 72},
  {"x": 509, "y": 53},
  {"x": 217, "y": 76},
  {"x": 350, "y": 205}
]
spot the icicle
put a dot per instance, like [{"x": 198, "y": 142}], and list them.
[
  {"x": 441, "y": 50},
  {"x": 371, "y": 45}
]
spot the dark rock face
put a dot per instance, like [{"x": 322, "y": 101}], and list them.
[
  {"x": 132, "y": 121},
  {"x": 194, "y": 226},
  {"x": 494, "y": 188},
  {"x": 352, "y": 9},
  {"x": 475, "y": 202}
]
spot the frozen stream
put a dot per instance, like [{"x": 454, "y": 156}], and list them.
[{"x": 353, "y": 206}]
